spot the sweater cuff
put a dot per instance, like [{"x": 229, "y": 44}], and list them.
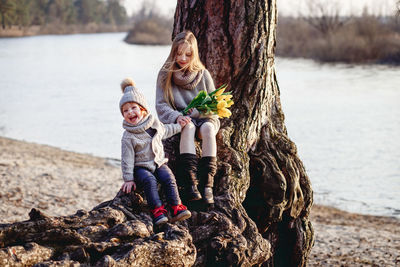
[
  {"x": 174, "y": 116},
  {"x": 128, "y": 177},
  {"x": 177, "y": 128}
]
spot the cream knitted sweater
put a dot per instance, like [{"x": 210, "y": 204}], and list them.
[{"x": 139, "y": 149}]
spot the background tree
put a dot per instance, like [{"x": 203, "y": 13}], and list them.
[
  {"x": 115, "y": 13},
  {"x": 22, "y": 16},
  {"x": 64, "y": 12},
  {"x": 61, "y": 11},
  {"x": 324, "y": 16},
  {"x": 149, "y": 26},
  {"x": 38, "y": 12},
  {"x": 6, "y": 9},
  {"x": 87, "y": 11},
  {"x": 398, "y": 8}
]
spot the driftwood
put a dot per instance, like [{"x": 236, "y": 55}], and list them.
[{"x": 115, "y": 233}]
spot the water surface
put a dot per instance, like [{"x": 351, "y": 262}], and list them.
[{"x": 345, "y": 120}]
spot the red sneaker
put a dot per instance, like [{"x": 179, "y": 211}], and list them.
[
  {"x": 180, "y": 213},
  {"x": 159, "y": 215}
]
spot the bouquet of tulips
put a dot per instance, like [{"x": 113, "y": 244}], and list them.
[{"x": 217, "y": 102}]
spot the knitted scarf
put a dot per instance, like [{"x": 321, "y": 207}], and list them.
[
  {"x": 187, "y": 80},
  {"x": 142, "y": 126}
]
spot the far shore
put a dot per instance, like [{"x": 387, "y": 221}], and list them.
[
  {"x": 55, "y": 29},
  {"x": 60, "y": 182}
]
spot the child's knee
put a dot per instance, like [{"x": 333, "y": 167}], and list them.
[
  {"x": 207, "y": 130},
  {"x": 188, "y": 132},
  {"x": 189, "y": 128}
]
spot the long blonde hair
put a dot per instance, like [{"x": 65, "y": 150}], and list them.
[{"x": 170, "y": 66}]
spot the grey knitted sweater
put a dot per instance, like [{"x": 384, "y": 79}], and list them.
[
  {"x": 139, "y": 149},
  {"x": 182, "y": 97}
]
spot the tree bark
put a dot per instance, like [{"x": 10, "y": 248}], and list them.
[
  {"x": 262, "y": 193},
  {"x": 237, "y": 44}
]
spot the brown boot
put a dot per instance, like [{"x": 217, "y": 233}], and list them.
[
  {"x": 206, "y": 172},
  {"x": 187, "y": 169}
]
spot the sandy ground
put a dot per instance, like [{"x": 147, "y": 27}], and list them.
[{"x": 59, "y": 182}]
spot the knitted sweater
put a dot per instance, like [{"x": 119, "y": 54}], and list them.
[
  {"x": 182, "y": 97},
  {"x": 139, "y": 149}
]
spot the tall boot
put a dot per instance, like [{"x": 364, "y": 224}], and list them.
[
  {"x": 187, "y": 170},
  {"x": 206, "y": 172}
]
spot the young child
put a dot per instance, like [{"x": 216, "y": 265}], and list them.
[
  {"x": 142, "y": 155},
  {"x": 181, "y": 78}
]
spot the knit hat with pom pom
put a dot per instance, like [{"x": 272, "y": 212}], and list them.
[{"x": 131, "y": 94}]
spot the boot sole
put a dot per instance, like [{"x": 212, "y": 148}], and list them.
[
  {"x": 181, "y": 217},
  {"x": 161, "y": 221},
  {"x": 195, "y": 198}
]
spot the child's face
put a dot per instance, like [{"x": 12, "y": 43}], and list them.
[
  {"x": 184, "y": 55},
  {"x": 132, "y": 113}
]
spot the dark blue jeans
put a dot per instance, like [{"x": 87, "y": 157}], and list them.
[{"x": 148, "y": 180}]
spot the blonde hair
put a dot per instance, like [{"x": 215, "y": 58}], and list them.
[{"x": 170, "y": 66}]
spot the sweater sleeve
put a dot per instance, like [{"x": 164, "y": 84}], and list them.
[
  {"x": 171, "y": 129},
  {"x": 127, "y": 159},
  {"x": 165, "y": 112},
  {"x": 209, "y": 81}
]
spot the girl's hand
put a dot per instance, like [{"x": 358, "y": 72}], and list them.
[
  {"x": 194, "y": 113},
  {"x": 128, "y": 186},
  {"x": 183, "y": 120}
]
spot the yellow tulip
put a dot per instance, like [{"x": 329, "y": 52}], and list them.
[
  {"x": 221, "y": 97},
  {"x": 224, "y": 113},
  {"x": 219, "y": 92},
  {"x": 228, "y": 97},
  {"x": 221, "y": 104},
  {"x": 229, "y": 103}
]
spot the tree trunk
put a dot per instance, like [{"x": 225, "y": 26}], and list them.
[
  {"x": 237, "y": 42},
  {"x": 3, "y": 21},
  {"x": 262, "y": 194}
]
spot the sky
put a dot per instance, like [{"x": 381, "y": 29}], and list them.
[{"x": 286, "y": 7}]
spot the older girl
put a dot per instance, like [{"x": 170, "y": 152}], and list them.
[{"x": 181, "y": 78}]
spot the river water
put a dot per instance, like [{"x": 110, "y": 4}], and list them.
[{"x": 345, "y": 120}]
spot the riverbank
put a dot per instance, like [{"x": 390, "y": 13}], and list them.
[
  {"x": 59, "y": 182},
  {"x": 57, "y": 29}
]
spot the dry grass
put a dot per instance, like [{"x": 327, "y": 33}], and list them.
[
  {"x": 361, "y": 40},
  {"x": 151, "y": 31}
]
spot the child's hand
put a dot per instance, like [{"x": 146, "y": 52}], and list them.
[
  {"x": 128, "y": 186},
  {"x": 183, "y": 120},
  {"x": 194, "y": 113}
]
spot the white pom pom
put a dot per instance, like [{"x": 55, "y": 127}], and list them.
[{"x": 127, "y": 82}]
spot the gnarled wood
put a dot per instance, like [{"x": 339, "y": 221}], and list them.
[{"x": 115, "y": 233}]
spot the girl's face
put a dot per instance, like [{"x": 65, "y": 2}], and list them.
[
  {"x": 132, "y": 113},
  {"x": 184, "y": 55}
]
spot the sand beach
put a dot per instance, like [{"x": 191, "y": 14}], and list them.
[{"x": 60, "y": 182}]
